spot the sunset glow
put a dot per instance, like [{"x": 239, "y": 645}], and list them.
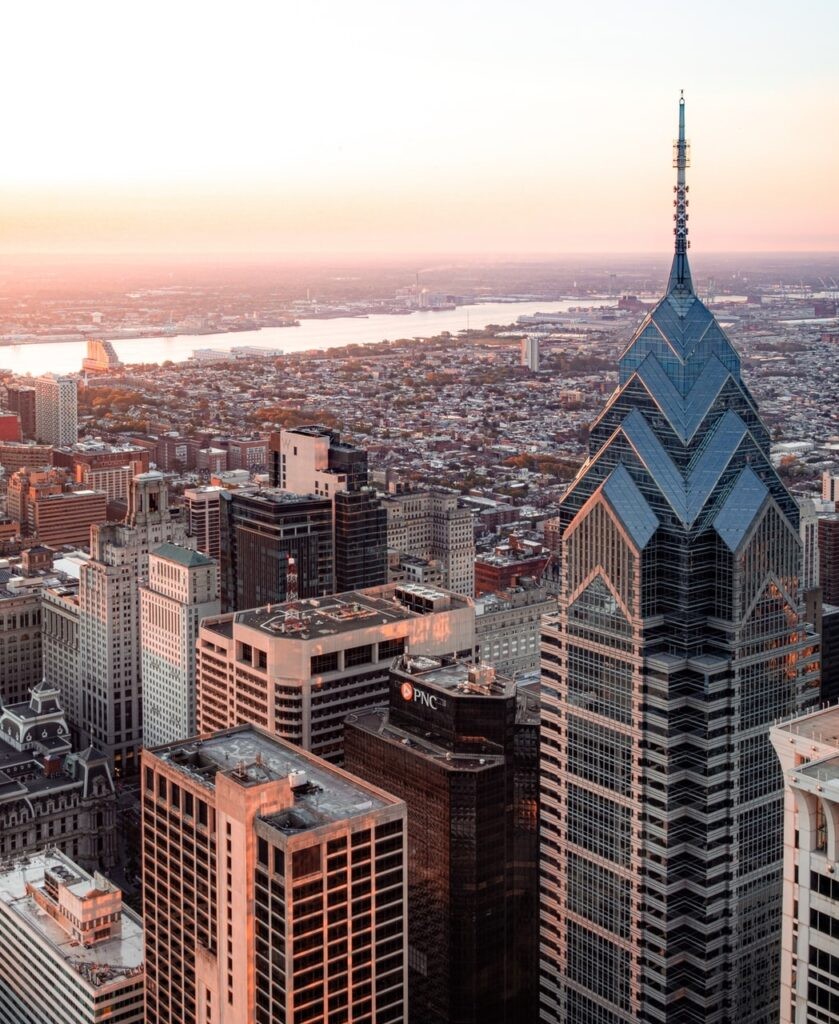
[{"x": 397, "y": 128}]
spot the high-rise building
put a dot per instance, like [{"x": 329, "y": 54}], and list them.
[
  {"x": 677, "y": 643},
  {"x": 70, "y": 951},
  {"x": 109, "y": 619},
  {"x": 21, "y": 399},
  {"x": 203, "y": 519},
  {"x": 182, "y": 589},
  {"x": 529, "y": 356},
  {"x": 431, "y": 525},
  {"x": 101, "y": 356},
  {"x": 829, "y": 557},
  {"x": 298, "y": 669},
  {"x": 274, "y": 887},
  {"x": 314, "y": 460},
  {"x": 808, "y": 751},
  {"x": 446, "y": 745},
  {"x": 56, "y": 409},
  {"x": 360, "y": 540},
  {"x": 60, "y": 616},
  {"x": 829, "y": 633},
  {"x": 830, "y": 483},
  {"x": 809, "y": 531},
  {"x": 20, "y": 641},
  {"x": 276, "y": 542}
]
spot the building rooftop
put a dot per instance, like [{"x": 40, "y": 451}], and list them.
[
  {"x": 456, "y": 676},
  {"x": 183, "y": 556},
  {"x": 322, "y": 793},
  {"x": 342, "y": 613},
  {"x": 100, "y": 964},
  {"x": 821, "y": 726},
  {"x": 377, "y": 721}
]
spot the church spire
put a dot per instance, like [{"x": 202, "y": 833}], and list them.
[{"x": 680, "y": 280}]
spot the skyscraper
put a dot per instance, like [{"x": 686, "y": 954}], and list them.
[
  {"x": 182, "y": 589},
  {"x": 677, "y": 643},
  {"x": 808, "y": 751},
  {"x": 203, "y": 510},
  {"x": 315, "y": 460},
  {"x": 56, "y": 409},
  {"x": 529, "y": 355},
  {"x": 109, "y": 619},
  {"x": 273, "y": 537},
  {"x": 274, "y": 886},
  {"x": 360, "y": 540},
  {"x": 449, "y": 745}
]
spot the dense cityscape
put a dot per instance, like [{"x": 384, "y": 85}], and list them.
[{"x": 445, "y": 641}]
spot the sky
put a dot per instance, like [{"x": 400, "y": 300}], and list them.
[{"x": 460, "y": 127}]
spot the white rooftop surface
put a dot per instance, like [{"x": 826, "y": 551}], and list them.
[
  {"x": 98, "y": 965},
  {"x": 71, "y": 564}
]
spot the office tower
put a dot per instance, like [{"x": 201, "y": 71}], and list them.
[
  {"x": 808, "y": 750},
  {"x": 101, "y": 357},
  {"x": 51, "y": 796},
  {"x": 829, "y": 558},
  {"x": 70, "y": 951},
  {"x": 314, "y": 460},
  {"x": 60, "y": 616},
  {"x": 446, "y": 745},
  {"x": 21, "y": 399},
  {"x": 830, "y": 483},
  {"x": 508, "y": 626},
  {"x": 20, "y": 640},
  {"x": 530, "y": 353},
  {"x": 829, "y": 635},
  {"x": 203, "y": 519},
  {"x": 809, "y": 531},
  {"x": 109, "y": 620},
  {"x": 274, "y": 537},
  {"x": 56, "y": 409},
  {"x": 360, "y": 540},
  {"x": 273, "y": 887},
  {"x": 182, "y": 589},
  {"x": 300, "y": 668},
  {"x": 429, "y": 524},
  {"x": 677, "y": 643}
]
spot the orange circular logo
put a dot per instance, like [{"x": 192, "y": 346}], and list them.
[{"x": 407, "y": 691}]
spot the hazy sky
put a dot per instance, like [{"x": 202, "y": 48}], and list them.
[{"x": 537, "y": 126}]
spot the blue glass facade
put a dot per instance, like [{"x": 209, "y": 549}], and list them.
[{"x": 677, "y": 643}]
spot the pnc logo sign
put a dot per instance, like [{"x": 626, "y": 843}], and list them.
[{"x": 411, "y": 693}]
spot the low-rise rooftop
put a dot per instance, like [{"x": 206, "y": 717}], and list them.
[{"x": 99, "y": 964}]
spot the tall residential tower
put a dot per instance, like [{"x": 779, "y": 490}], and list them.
[{"x": 677, "y": 643}]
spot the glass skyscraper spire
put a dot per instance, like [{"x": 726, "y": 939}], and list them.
[{"x": 678, "y": 642}]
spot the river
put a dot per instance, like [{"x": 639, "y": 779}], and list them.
[{"x": 66, "y": 357}]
